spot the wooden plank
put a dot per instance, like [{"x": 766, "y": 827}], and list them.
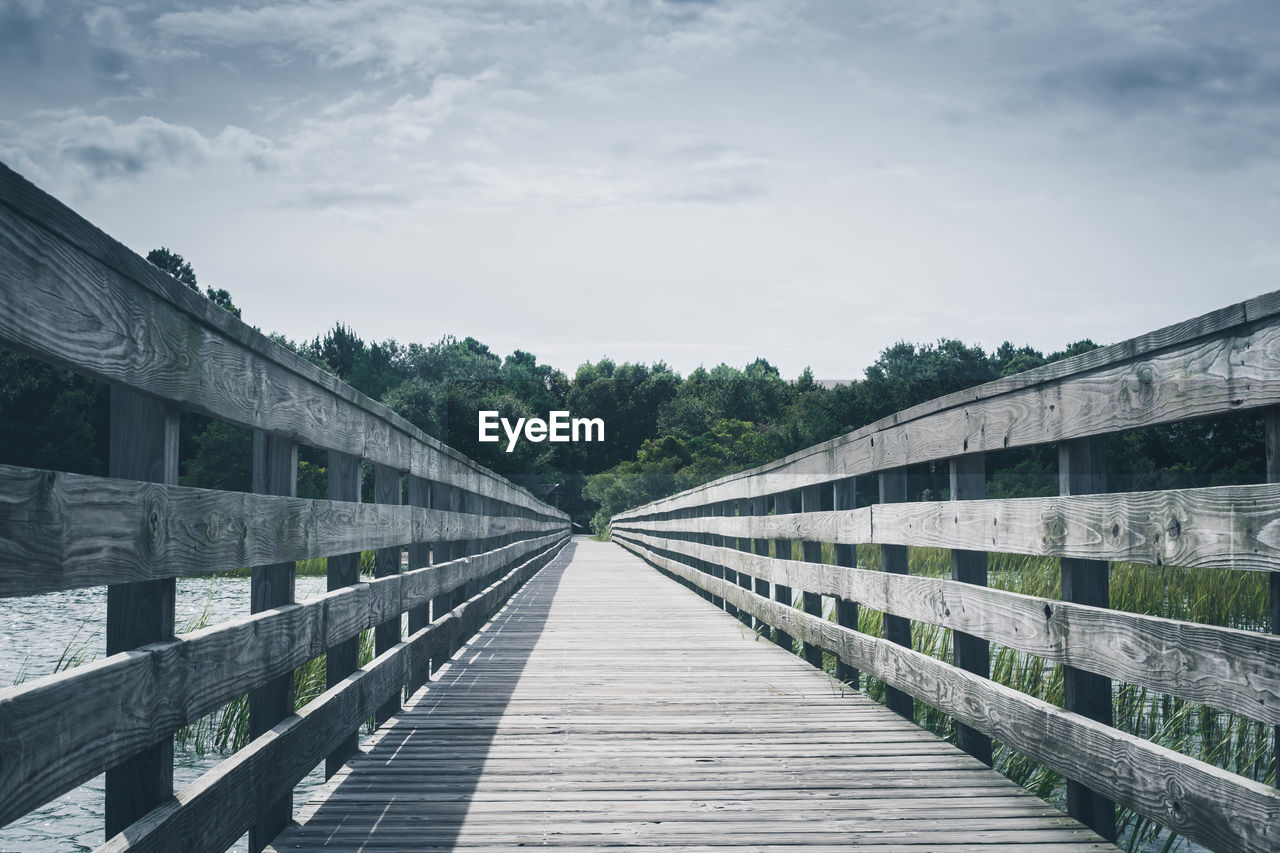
[
  {"x": 1206, "y": 804},
  {"x": 1081, "y": 470},
  {"x": 144, "y": 447},
  {"x": 1271, "y": 437},
  {"x": 893, "y": 560},
  {"x": 217, "y": 808},
  {"x": 969, "y": 482},
  {"x": 64, "y": 531},
  {"x": 61, "y": 730},
  {"x": 141, "y": 329},
  {"x": 1221, "y": 527},
  {"x": 419, "y": 493},
  {"x": 783, "y": 504},
  {"x": 275, "y": 472},
  {"x": 844, "y": 497},
  {"x": 387, "y": 489},
  {"x": 1236, "y": 670},
  {"x": 343, "y": 570},
  {"x": 811, "y": 501},
  {"x": 1221, "y": 367}
]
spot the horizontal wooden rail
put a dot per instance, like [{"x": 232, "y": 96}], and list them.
[
  {"x": 71, "y": 295},
  {"x": 1211, "y": 806},
  {"x": 61, "y": 730},
  {"x": 1223, "y": 362},
  {"x": 220, "y": 806},
  {"x": 1223, "y": 527},
  {"x": 62, "y": 531},
  {"x": 1234, "y": 670}
]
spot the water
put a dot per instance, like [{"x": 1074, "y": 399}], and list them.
[{"x": 38, "y": 632}]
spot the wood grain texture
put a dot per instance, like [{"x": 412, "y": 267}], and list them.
[
  {"x": 61, "y": 730},
  {"x": 1214, "y": 367},
  {"x": 71, "y": 295},
  {"x": 216, "y": 809},
  {"x": 1222, "y": 527},
  {"x": 1231, "y": 669},
  {"x": 63, "y": 531},
  {"x": 695, "y": 737},
  {"x": 1208, "y": 805}
]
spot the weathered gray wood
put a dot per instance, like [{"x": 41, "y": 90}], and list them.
[
  {"x": 386, "y": 635},
  {"x": 1082, "y": 470},
  {"x": 844, "y": 497},
  {"x": 275, "y": 472},
  {"x": 342, "y": 570},
  {"x": 216, "y": 809},
  {"x": 61, "y": 730},
  {"x": 63, "y": 531},
  {"x": 1223, "y": 527},
  {"x": 419, "y": 556},
  {"x": 695, "y": 737},
  {"x": 783, "y": 504},
  {"x": 1271, "y": 436},
  {"x": 811, "y": 501},
  {"x": 893, "y": 559},
  {"x": 1212, "y": 369},
  {"x": 143, "y": 446},
  {"x": 141, "y": 329},
  {"x": 1206, "y": 804},
  {"x": 969, "y": 482},
  {"x": 1235, "y": 670}
]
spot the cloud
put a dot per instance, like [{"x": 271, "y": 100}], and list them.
[{"x": 73, "y": 148}]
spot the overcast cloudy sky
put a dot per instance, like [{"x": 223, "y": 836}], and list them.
[{"x": 693, "y": 181}]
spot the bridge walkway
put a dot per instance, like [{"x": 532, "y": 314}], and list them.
[{"x": 609, "y": 706}]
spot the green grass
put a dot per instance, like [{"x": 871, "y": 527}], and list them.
[{"x": 1230, "y": 599}]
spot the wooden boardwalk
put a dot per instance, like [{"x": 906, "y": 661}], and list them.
[{"x": 608, "y": 706}]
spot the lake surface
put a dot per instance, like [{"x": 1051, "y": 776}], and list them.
[{"x": 38, "y": 632}]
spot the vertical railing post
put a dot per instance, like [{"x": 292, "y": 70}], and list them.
[
  {"x": 143, "y": 446},
  {"x": 275, "y": 472},
  {"x": 743, "y": 544},
  {"x": 419, "y": 556},
  {"x": 893, "y": 558},
  {"x": 442, "y": 497},
  {"x": 713, "y": 569},
  {"x": 760, "y": 506},
  {"x": 342, "y": 659},
  {"x": 1081, "y": 471},
  {"x": 1271, "y": 429},
  {"x": 845, "y": 496},
  {"x": 724, "y": 509},
  {"x": 387, "y": 489},
  {"x": 811, "y": 501},
  {"x": 782, "y": 505},
  {"x": 969, "y": 482}
]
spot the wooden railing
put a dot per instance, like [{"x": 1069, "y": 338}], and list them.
[
  {"x": 72, "y": 296},
  {"x": 716, "y": 538}
]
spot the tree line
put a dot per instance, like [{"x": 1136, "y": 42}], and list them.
[{"x": 664, "y": 432}]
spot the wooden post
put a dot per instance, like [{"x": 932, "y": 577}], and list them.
[
  {"x": 969, "y": 482},
  {"x": 143, "y": 446},
  {"x": 724, "y": 509},
  {"x": 782, "y": 503},
  {"x": 893, "y": 558},
  {"x": 275, "y": 472},
  {"x": 386, "y": 490},
  {"x": 760, "y": 506},
  {"x": 342, "y": 659},
  {"x": 419, "y": 556},
  {"x": 811, "y": 501},
  {"x": 442, "y": 497},
  {"x": 1271, "y": 429},
  {"x": 844, "y": 496},
  {"x": 741, "y": 508},
  {"x": 713, "y": 569},
  {"x": 1082, "y": 471}
]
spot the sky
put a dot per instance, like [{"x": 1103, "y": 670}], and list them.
[{"x": 695, "y": 182}]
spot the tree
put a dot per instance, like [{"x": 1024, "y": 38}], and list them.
[{"x": 175, "y": 265}]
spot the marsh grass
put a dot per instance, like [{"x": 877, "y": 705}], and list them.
[{"x": 1234, "y": 599}]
